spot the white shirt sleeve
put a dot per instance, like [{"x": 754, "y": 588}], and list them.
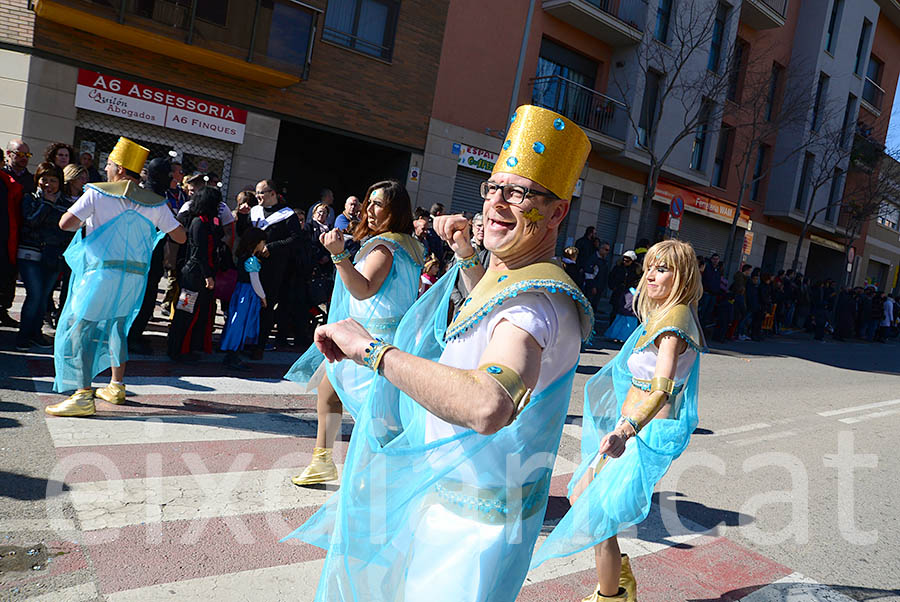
[
  {"x": 534, "y": 313},
  {"x": 185, "y": 208},
  {"x": 225, "y": 215},
  {"x": 83, "y": 208},
  {"x": 257, "y": 285},
  {"x": 164, "y": 219}
]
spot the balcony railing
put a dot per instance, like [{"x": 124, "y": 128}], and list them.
[
  {"x": 873, "y": 93},
  {"x": 630, "y": 12},
  {"x": 779, "y": 6},
  {"x": 586, "y": 107}
]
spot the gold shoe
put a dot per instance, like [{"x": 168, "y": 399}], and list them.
[
  {"x": 80, "y": 403},
  {"x": 626, "y": 579},
  {"x": 320, "y": 470},
  {"x": 621, "y": 596},
  {"x": 113, "y": 393}
]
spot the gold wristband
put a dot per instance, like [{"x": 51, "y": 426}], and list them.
[
  {"x": 661, "y": 383},
  {"x": 512, "y": 383}
]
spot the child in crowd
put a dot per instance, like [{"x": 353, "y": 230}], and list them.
[
  {"x": 429, "y": 274},
  {"x": 249, "y": 296}
]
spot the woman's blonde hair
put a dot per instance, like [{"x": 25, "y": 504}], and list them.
[{"x": 687, "y": 288}]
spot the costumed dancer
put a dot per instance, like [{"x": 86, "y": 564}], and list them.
[
  {"x": 648, "y": 393},
  {"x": 376, "y": 292},
  {"x": 448, "y": 471},
  {"x": 109, "y": 262},
  {"x": 242, "y": 327}
]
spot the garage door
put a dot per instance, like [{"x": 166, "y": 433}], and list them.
[{"x": 467, "y": 190}]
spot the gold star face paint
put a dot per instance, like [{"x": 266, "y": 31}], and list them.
[{"x": 534, "y": 217}]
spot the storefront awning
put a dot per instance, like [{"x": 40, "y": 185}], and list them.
[{"x": 696, "y": 202}]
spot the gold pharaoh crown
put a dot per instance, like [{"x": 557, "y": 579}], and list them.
[
  {"x": 129, "y": 155},
  {"x": 545, "y": 147}
]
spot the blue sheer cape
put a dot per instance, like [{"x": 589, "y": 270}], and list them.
[
  {"x": 379, "y": 314},
  {"x": 620, "y": 493},
  {"x": 372, "y": 528},
  {"x": 109, "y": 276}
]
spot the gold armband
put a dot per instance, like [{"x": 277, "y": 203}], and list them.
[
  {"x": 661, "y": 383},
  {"x": 512, "y": 383}
]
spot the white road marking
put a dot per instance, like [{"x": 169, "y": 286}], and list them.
[
  {"x": 796, "y": 588},
  {"x": 868, "y": 406},
  {"x": 855, "y": 419},
  {"x": 294, "y": 582},
  {"x": 119, "y": 503},
  {"x": 740, "y": 429},
  {"x": 763, "y": 438},
  {"x": 155, "y": 385}
]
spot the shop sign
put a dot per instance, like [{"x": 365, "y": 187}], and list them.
[
  {"x": 476, "y": 158},
  {"x": 700, "y": 203},
  {"x": 748, "y": 243},
  {"x": 130, "y": 100},
  {"x": 826, "y": 243}
]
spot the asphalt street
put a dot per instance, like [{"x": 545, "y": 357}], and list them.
[{"x": 793, "y": 467}]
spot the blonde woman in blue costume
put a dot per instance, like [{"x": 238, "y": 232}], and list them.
[
  {"x": 639, "y": 413},
  {"x": 377, "y": 291}
]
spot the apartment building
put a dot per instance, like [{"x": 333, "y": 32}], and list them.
[
  {"x": 593, "y": 60},
  {"x": 324, "y": 93}
]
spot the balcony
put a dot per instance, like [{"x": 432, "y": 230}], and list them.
[
  {"x": 605, "y": 119},
  {"x": 616, "y": 22},
  {"x": 873, "y": 94},
  {"x": 763, "y": 14},
  {"x": 891, "y": 10},
  {"x": 267, "y": 43}
]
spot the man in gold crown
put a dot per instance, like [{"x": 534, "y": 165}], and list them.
[
  {"x": 109, "y": 260},
  {"x": 448, "y": 473}
]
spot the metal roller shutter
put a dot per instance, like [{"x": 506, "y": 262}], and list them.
[
  {"x": 708, "y": 235},
  {"x": 608, "y": 223},
  {"x": 467, "y": 190},
  {"x": 199, "y": 152}
]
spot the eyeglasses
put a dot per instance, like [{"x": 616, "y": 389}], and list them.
[
  {"x": 263, "y": 192},
  {"x": 20, "y": 154},
  {"x": 512, "y": 193}
]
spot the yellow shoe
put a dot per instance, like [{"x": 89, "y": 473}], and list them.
[
  {"x": 626, "y": 579},
  {"x": 80, "y": 403},
  {"x": 320, "y": 470},
  {"x": 621, "y": 596},
  {"x": 113, "y": 393}
]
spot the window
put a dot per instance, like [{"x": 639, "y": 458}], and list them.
[
  {"x": 214, "y": 11},
  {"x": 803, "y": 188},
  {"x": 835, "y": 194},
  {"x": 849, "y": 115},
  {"x": 872, "y": 92},
  {"x": 862, "y": 46},
  {"x": 615, "y": 197},
  {"x": 736, "y": 70},
  {"x": 718, "y": 35},
  {"x": 649, "y": 109},
  {"x": 719, "y": 173},
  {"x": 889, "y": 216},
  {"x": 833, "y": 24},
  {"x": 564, "y": 83},
  {"x": 774, "y": 80},
  {"x": 283, "y": 34},
  {"x": 700, "y": 134},
  {"x": 819, "y": 99},
  {"x": 364, "y": 25},
  {"x": 758, "y": 172},
  {"x": 663, "y": 15}
]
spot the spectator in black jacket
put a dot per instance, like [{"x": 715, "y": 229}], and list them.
[
  {"x": 282, "y": 234},
  {"x": 754, "y": 307},
  {"x": 621, "y": 278},
  {"x": 712, "y": 288}
]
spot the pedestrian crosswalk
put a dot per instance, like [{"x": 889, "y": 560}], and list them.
[{"x": 184, "y": 493}]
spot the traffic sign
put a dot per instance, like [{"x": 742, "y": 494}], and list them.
[
  {"x": 676, "y": 209},
  {"x": 674, "y": 223}
]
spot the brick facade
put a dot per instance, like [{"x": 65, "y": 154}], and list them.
[
  {"x": 18, "y": 22},
  {"x": 345, "y": 91}
]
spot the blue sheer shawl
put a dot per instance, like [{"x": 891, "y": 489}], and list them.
[
  {"x": 620, "y": 493},
  {"x": 392, "y": 472},
  {"x": 109, "y": 277},
  {"x": 379, "y": 314}
]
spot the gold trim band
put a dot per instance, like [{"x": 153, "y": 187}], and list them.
[
  {"x": 661, "y": 383},
  {"x": 512, "y": 383}
]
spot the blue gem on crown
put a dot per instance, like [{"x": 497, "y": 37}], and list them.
[
  {"x": 559, "y": 124},
  {"x": 512, "y": 161},
  {"x": 538, "y": 147},
  {"x": 506, "y": 144},
  {"x": 513, "y": 118}
]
